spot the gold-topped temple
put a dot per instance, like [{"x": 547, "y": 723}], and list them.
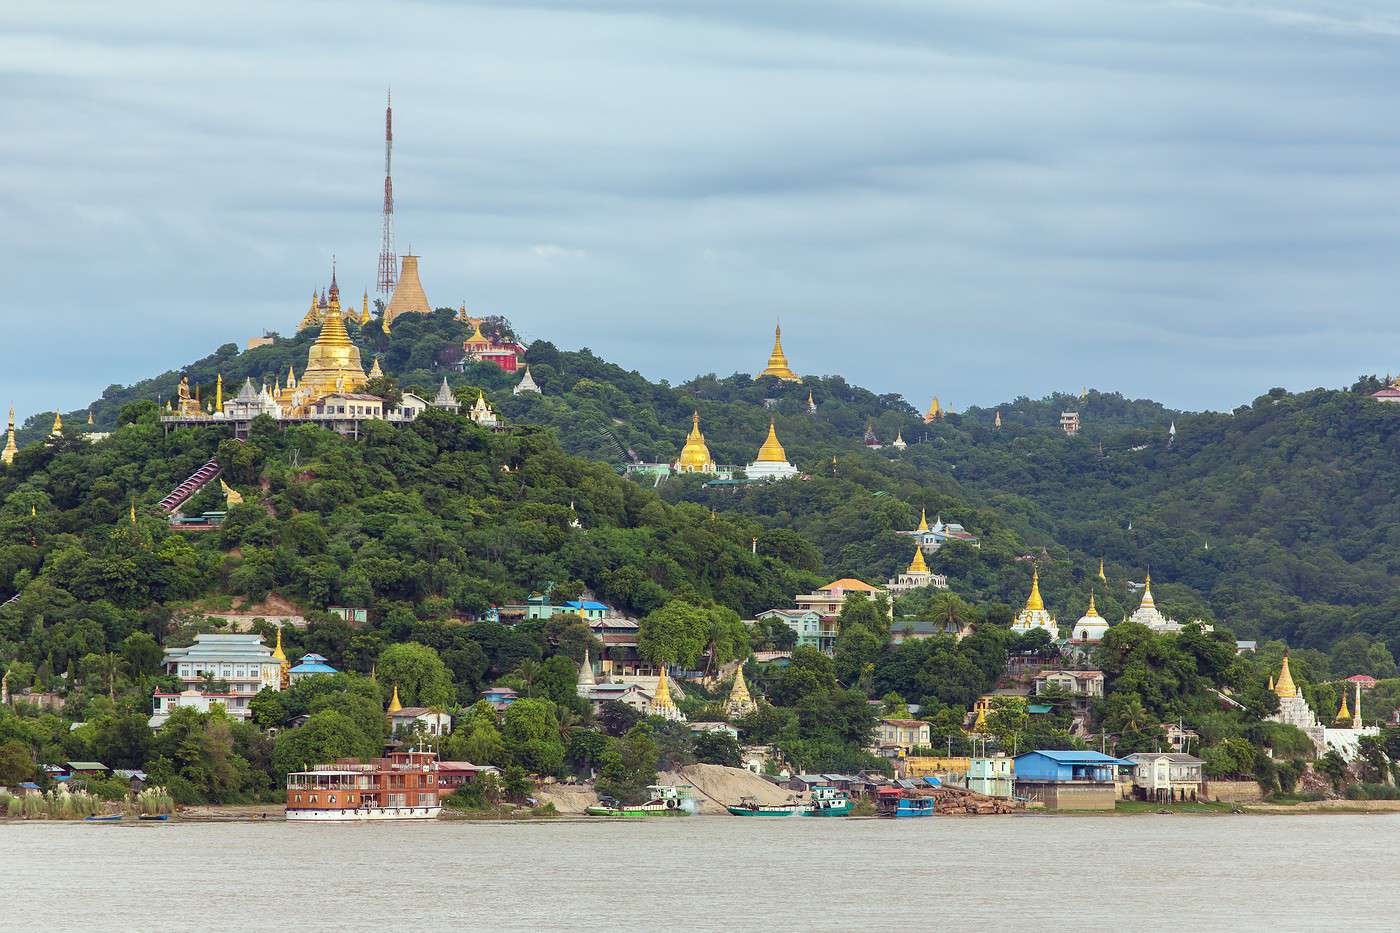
[{"x": 777, "y": 360}]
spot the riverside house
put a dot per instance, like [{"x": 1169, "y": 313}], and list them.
[
  {"x": 1166, "y": 776},
  {"x": 1069, "y": 780}
]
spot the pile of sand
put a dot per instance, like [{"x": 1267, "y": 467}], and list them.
[
  {"x": 718, "y": 787},
  {"x": 567, "y": 798}
]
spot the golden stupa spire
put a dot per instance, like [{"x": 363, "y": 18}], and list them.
[
  {"x": 662, "y": 700},
  {"x": 394, "y": 704},
  {"x": 1147, "y": 601},
  {"x": 1101, "y": 574},
  {"x": 374, "y": 371},
  {"x": 918, "y": 565},
  {"x": 934, "y": 411},
  {"x": 364, "y": 309},
  {"x": 218, "y": 396},
  {"x": 997, "y": 422},
  {"x": 1091, "y": 611},
  {"x": 695, "y": 455},
  {"x": 777, "y": 360},
  {"x": 332, "y": 363},
  {"x": 477, "y": 337},
  {"x": 1271, "y": 683},
  {"x": 57, "y": 424},
  {"x": 923, "y": 521},
  {"x": 771, "y": 451},
  {"x": 90, "y": 421},
  {"x": 8, "y": 456},
  {"x": 1284, "y": 686},
  {"x": 980, "y": 726},
  {"x": 811, "y": 405},
  {"x": 1343, "y": 714},
  {"x": 739, "y": 702},
  {"x": 277, "y": 652},
  {"x": 1034, "y": 602},
  {"x": 133, "y": 513}
]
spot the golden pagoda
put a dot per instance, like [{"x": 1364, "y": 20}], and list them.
[
  {"x": 374, "y": 371},
  {"x": 332, "y": 363},
  {"x": 477, "y": 339},
  {"x": 1344, "y": 714},
  {"x": 980, "y": 726},
  {"x": 1147, "y": 600},
  {"x": 777, "y": 361},
  {"x": 918, "y": 564},
  {"x": 934, "y": 411},
  {"x": 811, "y": 405},
  {"x": 1035, "y": 615},
  {"x": 218, "y": 396},
  {"x": 695, "y": 456},
  {"x": 1284, "y": 686},
  {"x": 1271, "y": 683},
  {"x": 1101, "y": 574},
  {"x": 133, "y": 513},
  {"x": 8, "y": 456},
  {"x": 740, "y": 703},
  {"x": 662, "y": 704},
  {"x": 57, "y": 428},
  {"x": 281, "y": 657},
  {"x": 364, "y": 309},
  {"x": 997, "y": 422},
  {"x": 771, "y": 451},
  {"x": 408, "y": 297},
  {"x": 923, "y": 521},
  {"x": 90, "y": 421},
  {"x": 312, "y": 317},
  {"x": 394, "y": 704},
  {"x": 1034, "y": 602}
]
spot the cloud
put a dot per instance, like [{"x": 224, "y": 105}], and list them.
[{"x": 1189, "y": 201}]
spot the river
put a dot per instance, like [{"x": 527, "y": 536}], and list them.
[{"x": 1183, "y": 873}]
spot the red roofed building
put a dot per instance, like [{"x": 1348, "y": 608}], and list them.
[{"x": 504, "y": 355}]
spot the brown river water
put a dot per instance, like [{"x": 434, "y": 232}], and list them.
[{"x": 1036, "y": 873}]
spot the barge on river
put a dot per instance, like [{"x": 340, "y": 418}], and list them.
[{"x": 399, "y": 786}]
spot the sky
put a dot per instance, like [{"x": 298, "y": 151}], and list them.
[{"x": 976, "y": 199}]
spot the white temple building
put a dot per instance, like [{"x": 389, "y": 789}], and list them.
[
  {"x": 526, "y": 384},
  {"x": 1091, "y": 626},
  {"x": 772, "y": 462},
  {"x": 1149, "y": 615}
]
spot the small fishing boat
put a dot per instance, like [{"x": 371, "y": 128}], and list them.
[
  {"x": 106, "y": 818},
  {"x": 154, "y": 817},
  {"x": 828, "y": 801},
  {"x": 663, "y": 800}
]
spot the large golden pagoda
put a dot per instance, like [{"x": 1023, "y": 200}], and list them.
[
  {"x": 918, "y": 564},
  {"x": 1284, "y": 686},
  {"x": 740, "y": 703},
  {"x": 408, "y": 297},
  {"x": 333, "y": 362},
  {"x": 8, "y": 456},
  {"x": 935, "y": 412},
  {"x": 777, "y": 361},
  {"x": 771, "y": 451},
  {"x": 695, "y": 456}
]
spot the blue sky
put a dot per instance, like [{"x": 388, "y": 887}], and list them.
[{"x": 1189, "y": 201}]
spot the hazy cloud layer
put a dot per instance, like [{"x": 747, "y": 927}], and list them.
[{"x": 1191, "y": 201}]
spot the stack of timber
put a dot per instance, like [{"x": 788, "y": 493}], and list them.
[{"x": 956, "y": 800}]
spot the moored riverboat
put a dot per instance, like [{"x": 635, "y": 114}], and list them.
[
  {"x": 662, "y": 800},
  {"x": 399, "y": 786},
  {"x": 827, "y": 801},
  {"x": 899, "y": 803}
]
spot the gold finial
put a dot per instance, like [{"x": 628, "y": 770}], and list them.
[
  {"x": 923, "y": 520},
  {"x": 277, "y": 652},
  {"x": 394, "y": 704},
  {"x": 918, "y": 564},
  {"x": 133, "y": 513},
  {"x": 57, "y": 424},
  {"x": 1147, "y": 600},
  {"x": 777, "y": 361},
  {"x": 218, "y": 396},
  {"x": 1034, "y": 602},
  {"x": 1271, "y": 683},
  {"x": 1343, "y": 714},
  {"x": 1091, "y": 611},
  {"x": 1101, "y": 574}
]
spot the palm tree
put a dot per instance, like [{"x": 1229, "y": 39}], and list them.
[{"x": 110, "y": 666}]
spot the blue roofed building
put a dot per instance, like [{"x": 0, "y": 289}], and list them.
[
  {"x": 1069, "y": 780},
  {"x": 309, "y": 665}
]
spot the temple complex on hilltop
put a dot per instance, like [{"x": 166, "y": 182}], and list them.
[
  {"x": 1035, "y": 615},
  {"x": 777, "y": 361},
  {"x": 916, "y": 577},
  {"x": 771, "y": 462},
  {"x": 1149, "y": 615},
  {"x": 408, "y": 296},
  {"x": 932, "y": 537},
  {"x": 1343, "y": 737},
  {"x": 504, "y": 355},
  {"x": 695, "y": 455}
]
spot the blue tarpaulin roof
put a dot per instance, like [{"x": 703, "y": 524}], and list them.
[{"x": 1072, "y": 757}]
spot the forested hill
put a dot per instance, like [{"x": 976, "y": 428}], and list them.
[{"x": 1273, "y": 520}]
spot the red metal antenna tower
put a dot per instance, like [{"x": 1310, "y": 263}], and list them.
[{"x": 388, "y": 262}]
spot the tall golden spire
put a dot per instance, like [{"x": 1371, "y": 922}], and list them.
[
  {"x": 1101, "y": 574},
  {"x": 1034, "y": 602},
  {"x": 57, "y": 424},
  {"x": 394, "y": 704},
  {"x": 1147, "y": 601},
  {"x": 312, "y": 317},
  {"x": 980, "y": 726},
  {"x": 1091, "y": 611},
  {"x": 332, "y": 363},
  {"x": 1271, "y": 683},
  {"x": 923, "y": 521},
  {"x": 739, "y": 702},
  {"x": 777, "y": 361},
  {"x": 90, "y": 422},
  {"x": 277, "y": 652},
  {"x": 133, "y": 513},
  {"x": 771, "y": 451},
  {"x": 662, "y": 700},
  {"x": 364, "y": 309},
  {"x": 218, "y": 396},
  {"x": 934, "y": 411},
  {"x": 408, "y": 296},
  {"x": 1285, "y": 687},
  {"x": 918, "y": 565},
  {"x": 1343, "y": 714},
  {"x": 695, "y": 455},
  {"x": 374, "y": 371},
  {"x": 8, "y": 456}
]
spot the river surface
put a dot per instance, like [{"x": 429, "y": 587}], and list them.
[{"x": 1040, "y": 873}]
